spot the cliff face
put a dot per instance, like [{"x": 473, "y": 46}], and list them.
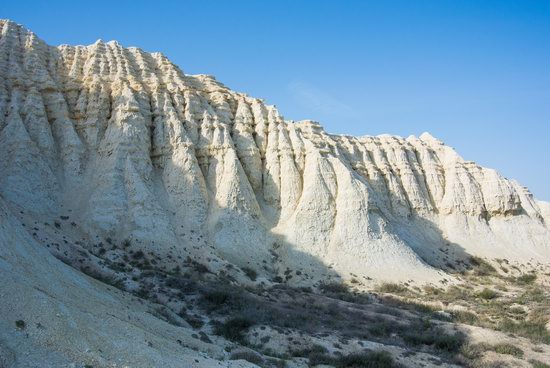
[{"x": 131, "y": 148}]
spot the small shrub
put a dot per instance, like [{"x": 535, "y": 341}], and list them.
[
  {"x": 20, "y": 324},
  {"x": 508, "y": 349},
  {"x": 142, "y": 293},
  {"x": 431, "y": 290},
  {"x": 233, "y": 329},
  {"x": 249, "y": 356},
  {"x": 481, "y": 267},
  {"x": 372, "y": 359},
  {"x": 251, "y": 273},
  {"x": 320, "y": 358},
  {"x": 534, "y": 330},
  {"x": 435, "y": 337},
  {"x": 214, "y": 299},
  {"x": 474, "y": 351},
  {"x": 535, "y": 294},
  {"x": 333, "y": 287},
  {"x": 108, "y": 279},
  {"x": 194, "y": 321},
  {"x": 180, "y": 283},
  {"x": 380, "y": 329},
  {"x": 277, "y": 279},
  {"x": 487, "y": 294},
  {"x": 465, "y": 317},
  {"x": 392, "y": 288},
  {"x": 448, "y": 343},
  {"x": 166, "y": 315},
  {"x": 204, "y": 337},
  {"x": 526, "y": 279},
  {"x": 517, "y": 311},
  {"x": 313, "y": 350}
]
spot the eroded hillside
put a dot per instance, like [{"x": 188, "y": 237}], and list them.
[{"x": 167, "y": 185}]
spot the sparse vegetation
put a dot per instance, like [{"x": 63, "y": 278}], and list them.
[
  {"x": 398, "y": 314},
  {"x": 534, "y": 330},
  {"x": 508, "y": 349},
  {"x": 426, "y": 334},
  {"x": 476, "y": 351},
  {"x": 526, "y": 279},
  {"x": 371, "y": 359},
  {"x": 248, "y": 355},
  {"x": 392, "y": 288},
  {"x": 333, "y": 287},
  {"x": 538, "y": 364}
]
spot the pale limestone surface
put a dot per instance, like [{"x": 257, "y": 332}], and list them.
[{"x": 136, "y": 149}]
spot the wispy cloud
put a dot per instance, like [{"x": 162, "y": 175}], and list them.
[{"x": 319, "y": 101}]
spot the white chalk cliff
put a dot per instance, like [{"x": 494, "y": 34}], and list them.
[{"x": 131, "y": 148}]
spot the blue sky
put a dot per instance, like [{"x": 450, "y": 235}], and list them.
[{"x": 475, "y": 74}]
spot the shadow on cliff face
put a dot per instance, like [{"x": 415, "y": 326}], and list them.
[{"x": 428, "y": 241}]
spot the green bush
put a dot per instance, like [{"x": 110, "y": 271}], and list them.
[
  {"x": 526, "y": 279},
  {"x": 481, "y": 267},
  {"x": 487, "y": 294},
  {"x": 508, "y": 349},
  {"x": 392, "y": 288},
  {"x": 465, "y": 317},
  {"x": 333, "y": 287},
  {"x": 424, "y": 334},
  {"x": 534, "y": 330},
  {"x": 474, "y": 351},
  {"x": 233, "y": 329}
]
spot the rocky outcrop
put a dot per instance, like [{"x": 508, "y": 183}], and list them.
[{"x": 183, "y": 166}]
